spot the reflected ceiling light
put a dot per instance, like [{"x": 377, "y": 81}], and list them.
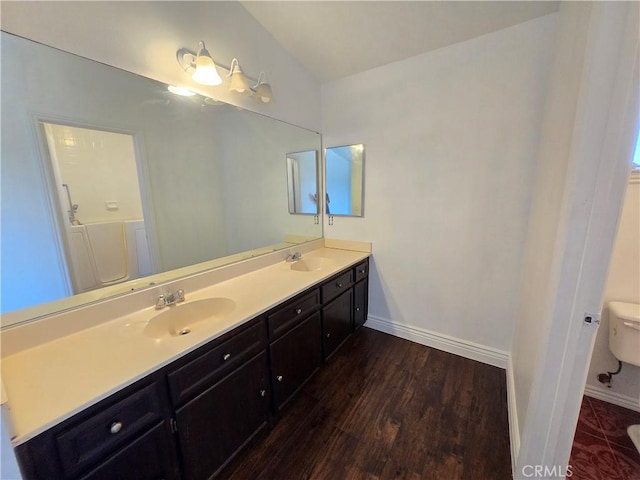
[
  {"x": 262, "y": 90},
  {"x": 185, "y": 92},
  {"x": 239, "y": 82},
  {"x": 202, "y": 65}
]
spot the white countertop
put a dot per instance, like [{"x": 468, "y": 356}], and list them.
[{"x": 50, "y": 382}]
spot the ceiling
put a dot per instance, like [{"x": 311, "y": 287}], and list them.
[{"x": 335, "y": 39}]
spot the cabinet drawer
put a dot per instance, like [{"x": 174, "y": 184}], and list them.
[
  {"x": 148, "y": 457},
  {"x": 195, "y": 376},
  {"x": 362, "y": 270},
  {"x": 285, "y": 318},
  {"x": 336, "y": 286},
  {"x": 91, "y": 440}
]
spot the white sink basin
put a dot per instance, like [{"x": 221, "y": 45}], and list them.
[
  {"x": 183, "y": 318},
  {"x": 312, "y": 264}
]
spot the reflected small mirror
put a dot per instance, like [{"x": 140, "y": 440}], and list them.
[
  {"x": 302, "y": 182},
  {"x": 344, "y": 170}
]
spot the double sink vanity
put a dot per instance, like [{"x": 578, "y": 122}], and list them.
[{"x": 175, "y": 391}]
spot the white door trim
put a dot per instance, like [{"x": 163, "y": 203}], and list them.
[{"x": 603, "y": 139}]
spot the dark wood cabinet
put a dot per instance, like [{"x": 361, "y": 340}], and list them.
[
  {"x": 360, "y": 303},
  {"x": 362, "y": 270},
  {"x": 284, "y": 318},
  {"x": 335, "y": 286},
  {"x": 117, "y": 435},
  {"x": 336, "y": 322},
  {"x": 189, "y": 419},
  {"x": 92, "y": 439},
  {"x": 295, "y": 357},
  {"x": 212, "y": 427},
  {"x": 205, "y": 367},
  {"x": 148, "y": 457}
]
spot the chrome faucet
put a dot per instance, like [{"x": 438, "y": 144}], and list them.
[
  {"x": 293, "y": 257},
  {"x": 170, "y": 299}
]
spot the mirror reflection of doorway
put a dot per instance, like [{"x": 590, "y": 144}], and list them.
[
  {"x": 344, "y": 179},
  {"x": 302, "y": 182},
  {"x": 98, "y": 197}
]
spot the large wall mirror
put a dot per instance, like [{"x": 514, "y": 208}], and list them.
[
  {"x": 344, "y": 172},
  {"x": 110, "y": 182}
]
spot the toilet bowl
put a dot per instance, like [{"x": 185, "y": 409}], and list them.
[
  {"x": 634, "y": 434},
  {"x": 624, "y": 331},
  {"x": 624, "y": 343}
]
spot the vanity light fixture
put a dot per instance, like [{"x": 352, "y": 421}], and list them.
[
  {"x": 239, "y": 81},
  {"x": 202, "y": 65},
  {"x": 262, "y": 90},
  {"x": 204, "y": 70}
]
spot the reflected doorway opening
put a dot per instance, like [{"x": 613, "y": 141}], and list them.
[{"x": 95, "y": 184}]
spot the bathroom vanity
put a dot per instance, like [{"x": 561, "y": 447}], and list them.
[{"x": 190, "y": 415}]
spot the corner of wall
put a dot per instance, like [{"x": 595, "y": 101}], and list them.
[{"x": 514, "y": 429}]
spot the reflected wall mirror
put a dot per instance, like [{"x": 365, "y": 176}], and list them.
[
  {"x": 344, "y": 172},
  {"x": 210, "y": 184},
  {"x": 302, "y": 182}
]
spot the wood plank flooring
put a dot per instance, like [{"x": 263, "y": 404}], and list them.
[{"x": 387, "y": 408}]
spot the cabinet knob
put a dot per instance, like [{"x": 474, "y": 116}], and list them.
[
  {"x": 363, "y": 271},
  {"x": 115, "y": 427},
  {"x": 263, "y": 393},
  {"x": 298, "y": 311},
  {"x": 339, "y": 285},
  {"x": 357, "y": 309},
  {"x": 328, "y": 335},
  {"x": 226, "y": 356},
  {"x": 279, "y": 378}
]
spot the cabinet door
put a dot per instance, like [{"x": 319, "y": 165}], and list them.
[
  {"x": 149, "y": 457},
  {"x": 216, "y": 424},
  {"x": 294, "y": 358},
  {"x": 336, "y": 322},
  {"x": 360, "y": 295}
]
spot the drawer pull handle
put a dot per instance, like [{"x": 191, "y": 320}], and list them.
[
  {"x": 115, "y": 427},
  {"x": 279, "y": 378},
  {"x": 226, "y": 356},
  {"x": 298, "y": 311},
  {"x": 328, "y": 335},
  {"x": 263, "y": 393},
  {"x": 339, "y": 285}
]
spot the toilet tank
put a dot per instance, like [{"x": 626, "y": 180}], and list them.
[{"x": 624, "y": 331}]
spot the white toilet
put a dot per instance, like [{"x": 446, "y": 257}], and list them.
[
  {"x": 624, "y": 343},
  {"x": 624, "y": 331}
]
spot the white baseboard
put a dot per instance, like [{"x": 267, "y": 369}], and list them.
[
  {"x": 446, "y": 343},
  {"x": 514, "y": 429},
  {"x": 607, "y": 395}
]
